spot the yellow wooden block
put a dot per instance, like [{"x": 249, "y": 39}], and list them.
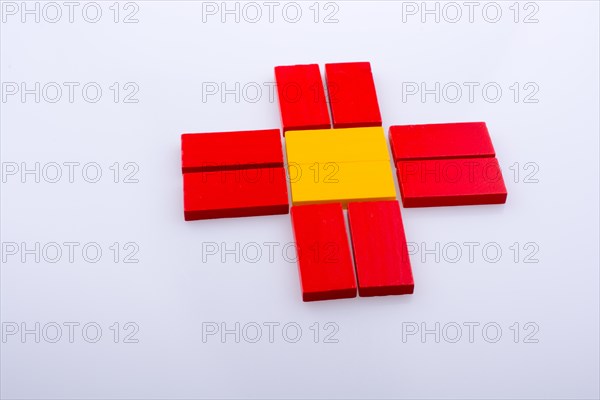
[
  {"x": 341, "y": 182},
  {"x": 336, "y": 145},
  {"x": 339, "y": 165}
]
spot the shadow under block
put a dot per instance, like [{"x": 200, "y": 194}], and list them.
[
  {"x": 238, "y": 193},
  {"x": 339, "y": 165},
  {"x": 451, "y": 182},
  {"x": 352, "y": 95},
  {"x": 324, "y": 258},
  {"x": 380, "y": 249},
  {"x": 231, "y": 150},
  {"x": 301, "y": 95},
  {"x": 440, "y": 141}
]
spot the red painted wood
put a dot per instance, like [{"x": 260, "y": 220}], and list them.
[
  {"x": 324, "y": 259},
  {"x": 238, "y": 193},
  {"x": 301, "y": 96},
  {"x": 451, "y": 182},
  {"x": 352, "y": 95},
  {"x": 219, "y": 151},
  {"x": 380, "y": 249},
  {"x": 439, "y": 141}
]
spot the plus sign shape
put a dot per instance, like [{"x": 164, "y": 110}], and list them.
[{"x": 338, "y": 158}]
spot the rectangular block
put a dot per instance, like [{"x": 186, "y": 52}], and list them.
[
  {"x": 380, "y": 249},
  {"x": 341, "y": 182},
  {"x": 237, "y": 193},
  {"x": 440, "y": 141},
  {"x": 352, "y": 95},
  {"x": 451, "y": 182},
  {"x": 301, "y": 96},
  {"x": 220, "y": 151},
  {"x": 324, "y": 258},
  {"x": 337, "y": 145}
]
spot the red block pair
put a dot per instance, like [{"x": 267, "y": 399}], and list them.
[
  {"x": 446, "y": 165},
  {"x": 351, "y": 92},
  {"x": 233, "y": 174},
  {"x": 324, "y": 256}
]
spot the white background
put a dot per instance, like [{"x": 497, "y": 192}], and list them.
[{"x": 172, "y": 55}]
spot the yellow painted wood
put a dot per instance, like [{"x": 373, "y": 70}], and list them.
[
  {"x": 341, "y": 182},
  {"x": 336, "y": 145}
]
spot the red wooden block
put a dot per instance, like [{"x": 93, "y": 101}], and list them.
[
  {"x": 238, "y": 193},
  {"x": 380, "y": 249},
  {"x": 302, "y": 99},
  {"x": 451, "y": 182},
  {"x": 324, "y": 259},
  {"x": 352, "y": 95},
  {"x": 439, "y": 141},
  {"x": 221, "y": 151}
]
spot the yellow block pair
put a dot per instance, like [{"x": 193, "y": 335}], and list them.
[{"x": 339, "y": 165}]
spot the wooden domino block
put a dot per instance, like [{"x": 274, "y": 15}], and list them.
[
  {"x": 339, "y": 165},
  {"x": 339, "y": 145},
  {"x": 324, "y": 258},
  {"x": 341, "y": 182},
  {"x": 440, "y": 141},
  {"x": 352, "y": 95},
  {"x": 235, "y": 193},
  {"x": 301, "y": 96},
  {"x": 220, "y": 151},
  {"x": 380, "y": 249},
  {"x": 451, "y": 182}
]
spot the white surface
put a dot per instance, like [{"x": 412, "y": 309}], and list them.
[{"x": 170, "y": 293}]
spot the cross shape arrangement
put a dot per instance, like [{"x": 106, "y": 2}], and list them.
[{"x": 338, "y": 158}]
